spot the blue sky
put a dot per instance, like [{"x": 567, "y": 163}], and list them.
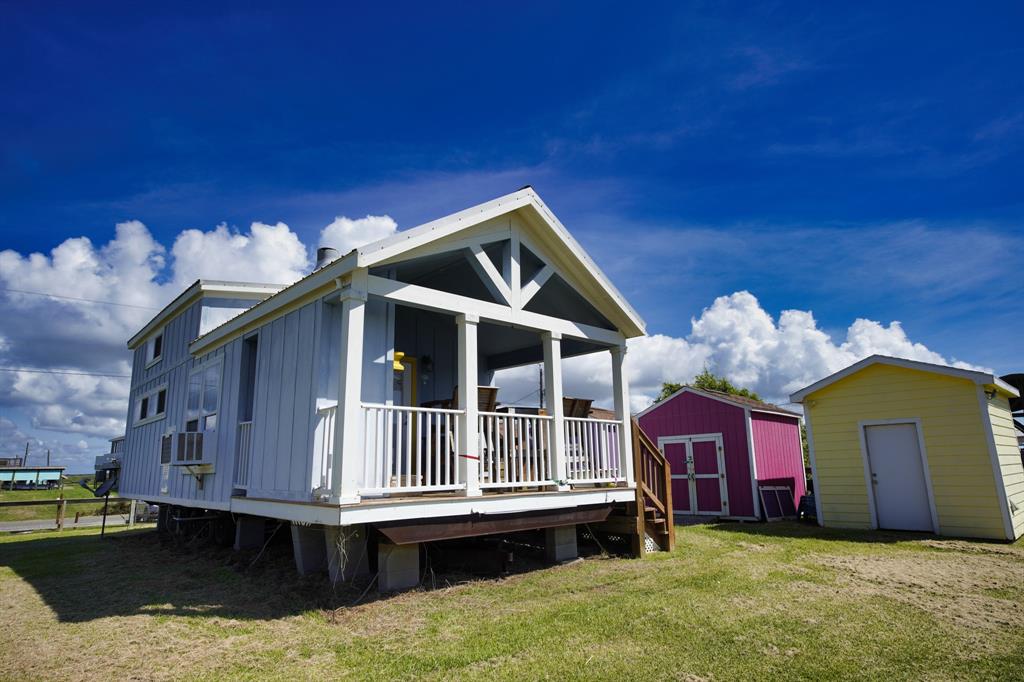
[{"x": 853, "y": 160}]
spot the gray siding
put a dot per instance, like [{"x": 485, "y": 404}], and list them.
[
  {"x": 284, "y": 410},
  {"x": 297, "y": 366},
  {"x": 141, "y": 469}
]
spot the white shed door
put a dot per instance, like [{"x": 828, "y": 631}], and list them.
[{"x": 897, "y": 477}]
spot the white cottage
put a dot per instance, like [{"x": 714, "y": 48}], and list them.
[{"x": 340, "y": 403}]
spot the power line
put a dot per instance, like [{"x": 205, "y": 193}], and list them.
[
  {"x": 75, "y": 298},
  {"x": 524, "y": 397},
  {"x": 61, "y": 371}
]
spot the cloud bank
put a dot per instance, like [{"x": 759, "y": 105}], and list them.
[
  {"x": 737, "y": 338},
  {"x": 73, "y": 309}
]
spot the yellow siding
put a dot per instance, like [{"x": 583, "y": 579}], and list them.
[
  {"x": 955, "y": 439},
  {"x": 1009, "y": 460}
]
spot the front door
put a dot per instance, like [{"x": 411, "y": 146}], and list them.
[
  {"x": 708, "y": 476},
  {"x": 698, "y": 474},
  {"x": 678, "y": 455},
  {"x": 897, "y": 477}
]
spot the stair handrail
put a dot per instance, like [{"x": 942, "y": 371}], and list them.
[{"x": 654, "y": 482}]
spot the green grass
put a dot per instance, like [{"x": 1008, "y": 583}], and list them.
[
  {"x": 71, "y": 490},
  {"x": 733, "y": 601}
]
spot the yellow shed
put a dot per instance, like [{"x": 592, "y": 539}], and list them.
[{"x": 906, "y": 445}]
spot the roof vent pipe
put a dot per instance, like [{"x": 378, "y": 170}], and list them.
[{"x": 325, "y": 255}]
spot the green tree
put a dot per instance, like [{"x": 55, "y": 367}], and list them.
[{"x": 709, "y": 382}]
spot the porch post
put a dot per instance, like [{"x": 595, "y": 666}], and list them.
[
  {"x": 620, "y": 389},
  {"x": 469, "y": 378},
  {"x": 347, "y": 458},
  {"x": 553, "y": 391}
]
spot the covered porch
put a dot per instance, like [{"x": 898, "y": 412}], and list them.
[{"x": 423, "y": 435}]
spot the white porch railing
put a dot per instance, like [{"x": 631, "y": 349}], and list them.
[
  {"x": 592, "y": 450},
  {"x": 243, "y": 454},
  {"x": 515, "y": 450},
  {"x": 323, "y": 448},
  {"x": 410, "y": 449}
]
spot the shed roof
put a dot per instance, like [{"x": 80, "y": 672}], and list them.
[
  {"x": 980, "y": 378},
  {"x": 737, "y": 400},
  {"x": 199, "y": 289}
]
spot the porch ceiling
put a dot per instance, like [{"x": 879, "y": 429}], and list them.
[{"x": 502, "y": 347}]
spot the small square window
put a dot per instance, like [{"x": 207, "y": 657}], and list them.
[
  {"x": 154, "y": 349},
  {"x": 144, "y": 408}
]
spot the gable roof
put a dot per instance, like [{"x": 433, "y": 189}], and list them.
[
  {"x": 200, "y": 289},
  {"x": 526, "y": 199},
  {"x": 980, "y": 378},
  {"x": 737, "y": 400}
]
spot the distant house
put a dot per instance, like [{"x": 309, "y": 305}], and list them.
[
  {"x": 906, "y": 445},
  {"x": 724, "y": 449},
  {"x": 15, "y": 476},
  {"x": 358, "y": 402}
]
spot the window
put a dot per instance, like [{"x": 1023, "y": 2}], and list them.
[
  {"x": 155, "y": 349},
  {"x": 151, "y": 406},
  {"x": 203, "y": 399},
  {"x": 201, "y": 407}
]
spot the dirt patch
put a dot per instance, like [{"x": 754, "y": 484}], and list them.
[
  {"x": 976, "y": 547},
  {"x": 957, "y": 588}
]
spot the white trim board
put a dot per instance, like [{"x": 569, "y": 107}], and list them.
[
  {"x": 980, "y": 378},
  {"x": 200, "y": 289},
  {"x": 629, "y": 322},
  {"x": 997, "y": 470},
  {"x": 753, "y": 461},
  {"x": 408, "y": 508},
  {"x": 814, "y": 471},
  {"x": 872, "y": 510}
]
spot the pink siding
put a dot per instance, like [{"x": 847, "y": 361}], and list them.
[
  {"x": 689, "y": 414},
  {"x": 778, "y": 454}
]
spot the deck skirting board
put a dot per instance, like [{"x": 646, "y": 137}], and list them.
[{"x": 404, "y": 509}]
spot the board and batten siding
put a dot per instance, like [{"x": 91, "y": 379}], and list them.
[
  {"x": 691, "y": 414},
  {"x": 778, "y": 452},
  {"x": 1010, "y": 465},
  {"x": 955, "y": 440},
  {"x": 284, "y": 413},
  {"x": 141, "y": 472}
]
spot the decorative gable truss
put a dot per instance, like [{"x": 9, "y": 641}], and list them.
[{"x": 508, "y": 268}]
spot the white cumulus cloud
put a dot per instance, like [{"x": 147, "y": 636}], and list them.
[
  {"x": 734, "y": 337},
  {"x": 345, "y": 234},
  {"x": 74, "y": 308},
  {"x": 267, "y": 253}
]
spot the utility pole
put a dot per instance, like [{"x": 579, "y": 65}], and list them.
[
  {"x": 24, "y": 460},
  {"x": 47, "y": 456}
]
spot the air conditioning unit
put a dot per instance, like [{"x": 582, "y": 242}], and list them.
[{"x": 194, "y": 447}]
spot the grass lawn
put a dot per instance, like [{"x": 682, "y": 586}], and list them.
[
  {"x": 732, "y": 602},
  {"x": 70, "y": 490}
]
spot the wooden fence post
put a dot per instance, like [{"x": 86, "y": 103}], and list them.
[{"x": 62, "y": 508}]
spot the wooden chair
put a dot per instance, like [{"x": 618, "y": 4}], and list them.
[
  {"x": 575, "y": 407},
  {"x": 487, "y": 401}
]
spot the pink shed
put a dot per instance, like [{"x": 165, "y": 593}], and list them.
[{"x": 722, "y": 447}]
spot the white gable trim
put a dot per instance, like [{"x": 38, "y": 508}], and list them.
[
  {"x": 422, "y": 238},
  {"x": 200, "y": 289},
  {"x": 391, "y": 247},
  {"x": 733, "y": 403},
  {"x": 980, "y": 378}
]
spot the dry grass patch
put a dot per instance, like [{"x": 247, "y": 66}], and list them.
[{"x": 733, "y": 602}]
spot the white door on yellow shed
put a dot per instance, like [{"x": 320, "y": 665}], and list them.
[{"x": 897, "y": 477}]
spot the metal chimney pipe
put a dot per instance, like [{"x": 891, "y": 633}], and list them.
[{"x": 325, "y": 255}]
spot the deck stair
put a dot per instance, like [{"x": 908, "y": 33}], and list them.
[{"x": 654, "y": 525}]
